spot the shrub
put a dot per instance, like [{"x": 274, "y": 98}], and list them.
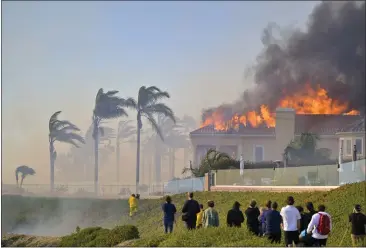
[{"x": 97, "y": 236}]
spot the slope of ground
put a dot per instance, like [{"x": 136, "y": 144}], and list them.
[{"x": 28, "y": 215}]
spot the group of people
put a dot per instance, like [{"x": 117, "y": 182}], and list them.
[{"x": 310, "y": 228}]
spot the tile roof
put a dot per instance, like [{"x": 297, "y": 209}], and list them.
[
  {"x": 323, "y": 124},
  {"x": 320, "y": 124},
  {"x": 242, "y": 130},
  {"x": 357, "y": 126}
]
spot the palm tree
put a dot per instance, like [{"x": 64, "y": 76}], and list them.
[
  {"x": 303, "y": 147},
  {"x": 125, "y": 131},
  {"x": 62, "y": 131},
  {"x": 107, "y": 106},
  {"x": 175, "y": 138},
  {"x": 187, "y": 124},
  {"x": 211, "y": 161},
  {"x": 24, "y": 171},
  {"x": 148, "y": 105}
]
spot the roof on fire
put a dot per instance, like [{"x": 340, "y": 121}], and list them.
[{"x": 319, "y": 124}]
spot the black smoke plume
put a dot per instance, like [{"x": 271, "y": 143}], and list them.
[{"x": 330, "y": 53}]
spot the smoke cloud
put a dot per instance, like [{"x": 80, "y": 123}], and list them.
[{"x": 329, "y": 53}]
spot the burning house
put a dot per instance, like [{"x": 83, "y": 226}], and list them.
[
  {"x": 310, "y": 80},
  {"x": 263, "y": 136}
]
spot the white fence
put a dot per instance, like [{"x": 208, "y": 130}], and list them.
[
  {"x": 352, "y": 172},
  {"x": 108, "y": 191}
]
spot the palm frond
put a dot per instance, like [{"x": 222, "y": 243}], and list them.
[
  {"x": 25, "y": 170},
  {"x": 53, "y": 119},
  {"x": 160, "y": 108},
  {"x": 154, "y": 125},
  {"x": 111, "y": 93},
  {"x": 58, "y": 125},
  {"x": 109, "y": 106},
  {"x": 70, "y": 138},
  {"x": 130, "y": 103}
]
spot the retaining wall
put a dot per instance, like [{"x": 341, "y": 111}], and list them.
[{"x": 231, "y": 188}]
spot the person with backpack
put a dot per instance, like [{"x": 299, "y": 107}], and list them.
[
  {"x": 273, "y": 222},
  {"x": 199, "y": 217},
  {"x": 291, "y": 222},
  {"x": 252, "y": 213},
  {"x": 189, "y": 212},
  {"x": 210, "y": 216},
  {"x": 169, "y": 210},
  {"x": 320, "y": 227},
  {"x": 235, "y": 216},
  {"x": 358, "y": 226}
]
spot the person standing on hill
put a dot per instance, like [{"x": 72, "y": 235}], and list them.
[
  {"x": 235, "y": 216},
  {"x": 291, "y": 222},
  {"x": 303, "y": 224},
  {"x": 273, "y": 222},
  {"x": 358, "y": 226},
  {"x": 189, "y": 212},
  {"x": 309, "y": 214},
  {"x": 252, "y": 213},
  {"x": 210, "y": 216},
  {"x": 320, "y": 226},
  {"x": 199, "y": 217},
  {"x": 132, "y": 201},
  {"x": 261, "y": 217},
  {"x": 169, "y": 214}
]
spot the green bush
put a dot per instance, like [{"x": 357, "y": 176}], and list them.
[{"x": 100, "y": 237}]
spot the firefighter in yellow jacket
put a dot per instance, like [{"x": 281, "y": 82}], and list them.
[{"x": 132, "y": 201}]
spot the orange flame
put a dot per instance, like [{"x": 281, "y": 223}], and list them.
[{"x": 307, "y": 101}]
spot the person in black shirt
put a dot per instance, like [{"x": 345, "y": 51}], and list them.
[
  {"x": 307, "y": 216},
  {"x": 303, "y": 225},
  {"x": 252, "y": 213},
  {"x": 235, "y": 216},
  {"x": 189, "y": 212},
  {"x": 273, "y": 221},
  {"x": 358, "y": 226}
]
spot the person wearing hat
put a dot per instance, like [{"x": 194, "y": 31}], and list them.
[
  {"x": 235, "y": 216},
  {"x": 210, "y": 216},
  {"x": 252, "y": 213},
  {"x": 358, "y": 226}
]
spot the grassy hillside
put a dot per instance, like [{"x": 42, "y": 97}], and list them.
[{"x": 21, "y": 214}]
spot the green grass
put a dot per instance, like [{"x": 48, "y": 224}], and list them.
[{"x": 108, "y": 213}]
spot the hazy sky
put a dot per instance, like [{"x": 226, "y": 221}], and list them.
[{"x": 56, "y": 55}]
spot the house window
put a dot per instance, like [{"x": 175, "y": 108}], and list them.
[
  {"x": 358, "y": 143},
  {"x": 258, "y": 153},
  {"x": 348, "y": 151}
]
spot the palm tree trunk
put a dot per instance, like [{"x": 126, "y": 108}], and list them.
[
  {"x": 150, "y": 165},
  {"x": 185, "y": 157},
  {"x": 52, "y": 168},
  {"x": 21, "y": 181},
  {"x": 96, "y": 156},
  {"x": 117, "y": 160},
  {"x": 143, "y": 161},
  {"x": 139, "y": 125},
  {"x": 157, "y": 166},
  {"x": 173, "y": 162}
]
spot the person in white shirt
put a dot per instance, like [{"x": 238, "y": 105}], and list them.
[
  {"x": 291, "y": 222},
  {"x": 320, "y": 233}
]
